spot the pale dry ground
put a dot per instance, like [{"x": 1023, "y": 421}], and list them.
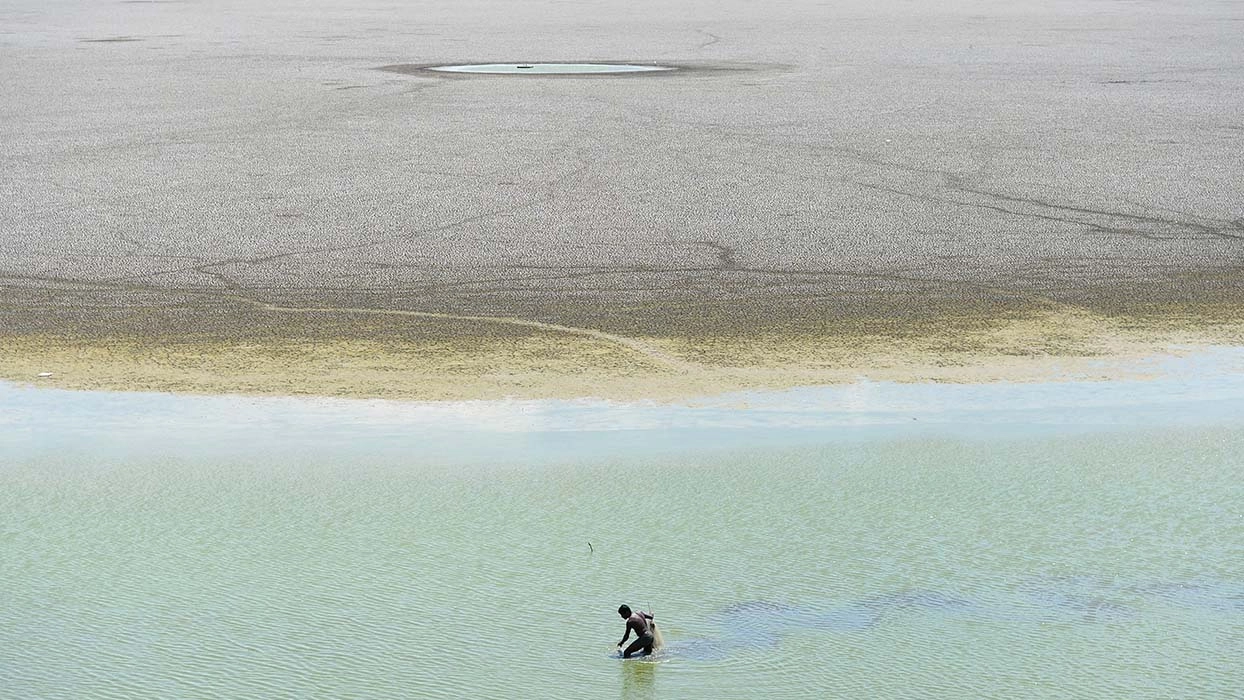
[{"x": 559, "y": 364}]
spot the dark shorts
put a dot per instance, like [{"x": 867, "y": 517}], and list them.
[{"x": 644, "y": 643}]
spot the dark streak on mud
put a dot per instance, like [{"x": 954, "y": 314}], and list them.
[{"x": 678, "y": 69}]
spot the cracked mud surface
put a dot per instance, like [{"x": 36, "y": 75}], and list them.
[{"x": 854, "y": 172}]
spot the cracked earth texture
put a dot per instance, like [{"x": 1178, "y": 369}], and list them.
[{"x": 271, "y": 174}]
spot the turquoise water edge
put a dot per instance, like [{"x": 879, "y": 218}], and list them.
[{"x": 1068, "y": 539}]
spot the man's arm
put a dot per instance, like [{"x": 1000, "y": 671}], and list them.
[{"x": 629, "y": 625}]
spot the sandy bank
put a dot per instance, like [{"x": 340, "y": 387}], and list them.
[{"x": 558, "y": 362}]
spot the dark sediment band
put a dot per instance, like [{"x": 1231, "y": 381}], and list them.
[{"x": 108, "y": 336}]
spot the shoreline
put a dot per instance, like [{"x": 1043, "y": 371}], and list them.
[
  {"x": 551, "y": 362},
  {"x": 1201, "y": 390}
]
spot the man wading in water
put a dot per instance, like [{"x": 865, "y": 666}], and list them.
[{"x": 641, "y": 623}]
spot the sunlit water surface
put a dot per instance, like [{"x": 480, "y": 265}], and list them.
[{"x": 1076, "y": 540}]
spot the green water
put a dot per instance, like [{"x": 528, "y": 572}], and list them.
[{"x": 1096, "y": 565}]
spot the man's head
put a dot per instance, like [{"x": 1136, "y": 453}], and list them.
[{"x": 624, "y": 611}]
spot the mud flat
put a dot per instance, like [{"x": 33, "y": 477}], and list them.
[{"x": 278, "y": 198}]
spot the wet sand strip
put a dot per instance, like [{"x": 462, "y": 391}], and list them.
[{"x": 396, "y": 354}]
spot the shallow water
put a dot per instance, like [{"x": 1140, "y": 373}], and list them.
[{"x": 1092, "y": 558}]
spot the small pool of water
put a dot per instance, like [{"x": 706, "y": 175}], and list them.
[{"x": 550, "y": 68}]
